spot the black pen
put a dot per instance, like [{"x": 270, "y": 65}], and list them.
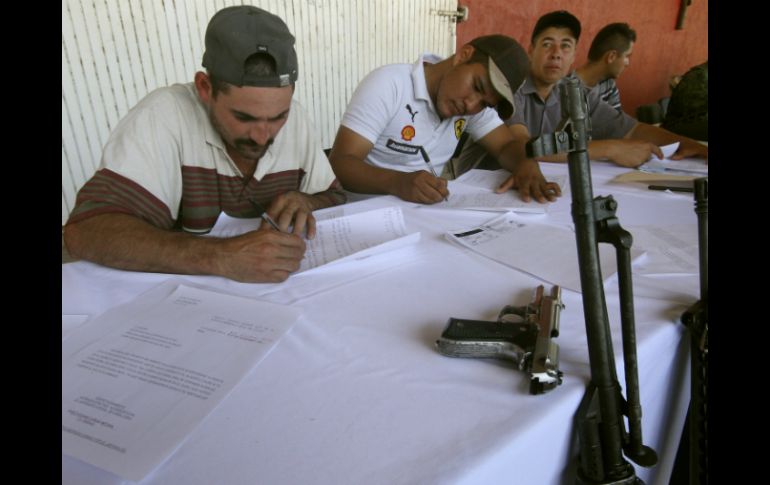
[
  {"x": 265, "y": 216},
  {"x": 430, "y": 165},
  {"x": 672, "y": 189}
]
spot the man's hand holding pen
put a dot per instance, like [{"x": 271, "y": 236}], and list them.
[
  {"x": 291, "y": 210},
  {"x": 421, "y": 187},
  {"x": 430, "y": 166}
]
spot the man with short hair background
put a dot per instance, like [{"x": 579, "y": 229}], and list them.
[
  {"x": 608, "y": 56},
  {"x": 233, "y": 141}
]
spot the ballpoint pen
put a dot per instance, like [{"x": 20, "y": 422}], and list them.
[
  {"x": 672, "y": 189},
  {"x": 430, "y": 165},
  {"x": 264, "y": 215}
]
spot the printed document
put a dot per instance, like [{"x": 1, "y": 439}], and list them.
[
  {"x": 139, "y": 378},
  {"x": 475, "y": 190},
  {"x": 668, "y": 249},
  {"x": 546, "y": 252},
  {"x": 339, "y": 238},
  {"x": 685, "y": 166}
]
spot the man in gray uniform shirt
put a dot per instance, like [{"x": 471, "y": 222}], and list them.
[{"x": 616, "y": 136}]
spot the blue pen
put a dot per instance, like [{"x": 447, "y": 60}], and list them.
[{"x": 430, "y": 165}]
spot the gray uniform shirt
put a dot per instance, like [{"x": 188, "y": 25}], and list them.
[{"x": 544, "y": 116}]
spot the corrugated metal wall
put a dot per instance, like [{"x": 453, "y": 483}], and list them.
[{"x": 114, "y": 52}]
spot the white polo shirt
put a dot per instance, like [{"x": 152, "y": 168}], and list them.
[{"x": 392, "y": 109}]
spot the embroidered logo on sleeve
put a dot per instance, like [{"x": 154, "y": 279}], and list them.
[
  {"x": 402, "y": 147},
  {"x": 407, "y": 133},
  {"x": 411, "y": 113},
  {"x": 459, "y": 127}
]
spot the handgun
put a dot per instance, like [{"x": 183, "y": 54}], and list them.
[{"x": 521, "y": 333}]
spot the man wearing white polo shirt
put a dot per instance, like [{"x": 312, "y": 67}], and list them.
[{"x": 404, "y": 121}]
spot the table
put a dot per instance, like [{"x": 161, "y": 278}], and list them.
[{"x": 356, "y": 392}]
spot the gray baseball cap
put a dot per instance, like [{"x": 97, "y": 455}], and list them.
[
  {"x": 508, "y": 67},
  {"x": 235, "y": 33}
]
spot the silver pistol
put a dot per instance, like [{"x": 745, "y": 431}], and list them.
[{"x": 521, "y": 333}]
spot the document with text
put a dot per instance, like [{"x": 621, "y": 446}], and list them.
[
  {"x": 685, "y": 166},
  {"x": 475, "y": 190},
  {"x": 669, "y": 249},
  {"x": 139, "y": 378},
  {"x": 544, "y": 251},
  {"x": 340, "y": 237}
]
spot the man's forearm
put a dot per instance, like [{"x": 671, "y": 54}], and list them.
[
  {"x": 328, "y": 198},
  {"x": 127, "y": 242},
  {"x": 358, "y": 176},
  {"x": 655, "y": 134}
]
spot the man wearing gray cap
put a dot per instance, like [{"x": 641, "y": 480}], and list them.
[
  {"x": 233, "y": 141},
  {"x": 404, "y": 121}
]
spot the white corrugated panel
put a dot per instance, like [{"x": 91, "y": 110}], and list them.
[{"x": 115, "y": 52}]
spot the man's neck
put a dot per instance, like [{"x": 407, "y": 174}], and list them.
[
  {"x": 591, "y": 74},
  {"x": 247, "y": 166},
  {"x": 433, "y": 75},
  {"x": 543, "y": 89}
]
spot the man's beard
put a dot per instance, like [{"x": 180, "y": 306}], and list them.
[
  {"x": 250, "y": 149},
  {"x": 245, "y": 147}
]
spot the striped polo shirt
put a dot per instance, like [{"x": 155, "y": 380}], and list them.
[{"x": 166, "y": 164}]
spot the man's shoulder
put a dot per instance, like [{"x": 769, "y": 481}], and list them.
[
  {"x": 174, "y": 97},
  {"x": 389, "y": 74}
]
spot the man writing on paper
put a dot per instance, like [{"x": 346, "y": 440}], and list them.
[
  {"x": 615, "y": 135},
  {"x": 234, "y": 140},
  {"x": 400, "y": 110}
]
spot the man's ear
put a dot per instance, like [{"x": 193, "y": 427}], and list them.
[
  {"x": 610, "y": 56},
  {"x": 203, "y": 86},
  {"x": 462, "y": 56}
]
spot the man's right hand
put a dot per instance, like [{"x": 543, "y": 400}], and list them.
[
  {"x": 632, "y": 153},
  {"x": 420, "y": 187},
  {"x": 264, "y": 255}
]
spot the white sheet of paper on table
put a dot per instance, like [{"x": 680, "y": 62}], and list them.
[
  {"x": 685, "y": 166},
  {"x": 337, "y": 238},
  {"x": 476, "y": 192},
  {"x": 139, "y": 378},
  {"x": 544, "y": 251},
  {"x": 668, "y": 249}
]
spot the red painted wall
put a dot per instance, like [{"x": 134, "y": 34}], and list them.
[{"x": 659, "y": 53}]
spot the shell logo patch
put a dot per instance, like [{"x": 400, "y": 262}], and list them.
[
  {"x": 407, "y": 133},
  {"x": 459, "y": 127}
]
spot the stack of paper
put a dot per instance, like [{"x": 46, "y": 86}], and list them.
[{"x": 338, "y": 239}]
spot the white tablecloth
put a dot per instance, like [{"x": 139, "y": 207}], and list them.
[{"x": 357, "y": 394}]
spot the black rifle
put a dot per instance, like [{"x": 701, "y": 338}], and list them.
[
  {"x": 602, "y": 436},
  {"x": 696, "y": 319}
]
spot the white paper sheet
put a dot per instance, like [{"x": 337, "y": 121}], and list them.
[
  {"x": 544, "y": 251},
  {"x": 71, "y": 322},
  {"x": 343, "y": 237},
  {"x": 491, "y": 179},
  {"x": 475, "y": 194},
  {"x": 669, "y": 249},
  {"x": 686, "y": 166},
  {"x": 337, "y": 238},
  {"x": 137, "y": 379}
]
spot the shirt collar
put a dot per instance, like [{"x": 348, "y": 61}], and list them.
[{"x": 419, "y": 84}]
